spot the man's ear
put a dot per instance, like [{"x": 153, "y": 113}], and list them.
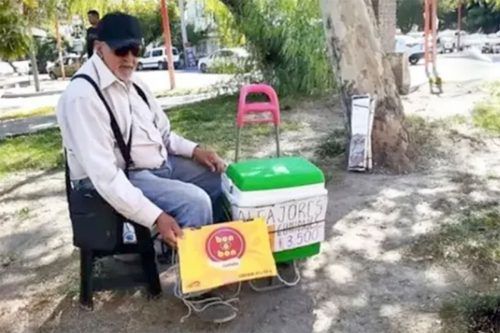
[{"x": 98, "y": 45}]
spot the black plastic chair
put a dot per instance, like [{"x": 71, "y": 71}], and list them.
[{"x": 148, "y": 277}]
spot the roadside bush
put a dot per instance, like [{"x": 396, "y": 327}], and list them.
[{"x": 288, "y": 40}]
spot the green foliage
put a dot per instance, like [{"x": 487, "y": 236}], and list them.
[
  {"x": 46, "y": 50},
  {"x": 151, "y": 23},
  {"x": 409, "y": 14},
  {"x": 333, "y": 145},
  {"x": 15, "y": 41},
  {"x": 485, "y": 17},
  {"x": 288, "y": 39},
  {"x": 227, "y": 29},
  {"x": 477, "y": 15}
]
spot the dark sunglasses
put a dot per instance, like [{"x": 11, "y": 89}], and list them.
[{"x": 124, "y": 50}]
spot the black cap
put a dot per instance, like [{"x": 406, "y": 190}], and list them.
[{"x": 119, "y": 30}]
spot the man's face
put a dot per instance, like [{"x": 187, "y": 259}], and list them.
[
  {"x": 121, "y": 65},
  {"x": 93, "y": 19}
]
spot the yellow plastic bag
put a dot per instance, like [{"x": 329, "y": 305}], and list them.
[{"x": 225, "y": 253}]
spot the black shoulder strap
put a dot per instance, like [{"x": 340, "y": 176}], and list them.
[
  {"x": 124, "y": 148},
  {"x": 66, "y": 174},
  {"x": 142, "y": 94}
]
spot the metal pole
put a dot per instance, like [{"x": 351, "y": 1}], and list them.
[
  {"x": 434, "y": 28},
  {"x": 459, "y": 23},
  {"x": 427, "y": 17},
  {"x": 168, "y": 42}
]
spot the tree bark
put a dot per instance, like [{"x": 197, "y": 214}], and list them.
[
  {"x": 14, "y": 68},
  {"x": 34, "y": 67},
  {"x": 59, "y": 48},
  {"x": 185, "y": 41},
  {"x": 361, "y": 68}
]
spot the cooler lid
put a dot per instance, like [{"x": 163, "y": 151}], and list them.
[{"x": 274, "y": 173}]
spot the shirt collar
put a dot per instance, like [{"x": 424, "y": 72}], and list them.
[{"x": 105, "y": 75}]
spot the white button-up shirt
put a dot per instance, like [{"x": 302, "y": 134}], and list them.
[{"x": 92, "y": 151}]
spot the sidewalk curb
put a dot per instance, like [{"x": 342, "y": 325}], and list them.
[
  {"x": 30, "y": 125},
  {"x": 36, "y": 94}
]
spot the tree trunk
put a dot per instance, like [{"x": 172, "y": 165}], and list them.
[
  {"x": 59, "y": 49},
  {"x": 361, "y": 68},
  {"x": 14, "y": 68},
  {"x": 185, "y": 41},
  {"x": 34, "y": 67}
]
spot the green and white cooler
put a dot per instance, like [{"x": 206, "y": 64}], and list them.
[{"x": 290, "y": 193}]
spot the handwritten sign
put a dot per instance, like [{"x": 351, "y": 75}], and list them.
[{"x": 295, "y": 223}]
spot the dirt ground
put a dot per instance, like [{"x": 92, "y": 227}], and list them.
[{"x": 364, "y": 280}]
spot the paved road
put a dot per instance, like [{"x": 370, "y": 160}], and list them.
[
  {"x": 452, "y": 68},
  {"x": 31, "y": 125},
  {"x": 158, "y": 81},
  {"x": 460, "y": 68}
]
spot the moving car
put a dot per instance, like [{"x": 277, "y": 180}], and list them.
[
  {"x": 238, "y": 57},
  {"x": 71, "y": 65},
  {"x": 157, "y": 58}
]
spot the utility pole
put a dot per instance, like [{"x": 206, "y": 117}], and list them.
[
  {"x": 459, "y": 23},
  {"x": 168, "y": 42}
]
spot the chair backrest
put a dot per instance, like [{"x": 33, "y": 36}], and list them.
[{"x": 245, "y": 108}]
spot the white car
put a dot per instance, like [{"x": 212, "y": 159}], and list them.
[
  {"x": 448, "y": 39},
  {"x": 412, "y": 47},
  {"x": 232, "y": 56},
  {"x": 157, "y": 58}
]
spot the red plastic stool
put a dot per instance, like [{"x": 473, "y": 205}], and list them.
[{"x": 257, "y": 112}]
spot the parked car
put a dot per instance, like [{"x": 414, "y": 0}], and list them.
[
  {"x": 412, "y": 47},
  {"x": 476, "y": 41},
  {"x": 157, "y": 58},
  {"x": 238, "y": 57},
  {"x": 492, "y": 44},
  {"x": 448, "y": 40},
  {"x": 71, "y": 64}
]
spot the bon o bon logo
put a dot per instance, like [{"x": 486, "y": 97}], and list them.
[{"x": 225, "y": 244}]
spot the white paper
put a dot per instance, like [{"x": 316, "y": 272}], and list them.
[{"x": 360, "y": 151}]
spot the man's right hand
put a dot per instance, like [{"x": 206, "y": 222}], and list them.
[{"x": 168, "y": 229}]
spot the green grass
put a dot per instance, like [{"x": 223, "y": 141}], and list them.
[
  {"x": 472, "y": 312},
  {"x": 40, "y": 151},
  {"x": 333, "y": 145},
  {"x": 211, "y": 123},
  {"x": 474, "y": 240},
  {"x": 486, "y": 115},
  {"x": 26, "y": 113}
]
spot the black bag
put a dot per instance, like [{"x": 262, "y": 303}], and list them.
[{"x": 96, "y": 225}]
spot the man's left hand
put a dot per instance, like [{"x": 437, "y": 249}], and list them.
[{"x": 210, "y": 159}]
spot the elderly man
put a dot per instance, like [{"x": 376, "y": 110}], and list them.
[{"x": 172, "y": 182}]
